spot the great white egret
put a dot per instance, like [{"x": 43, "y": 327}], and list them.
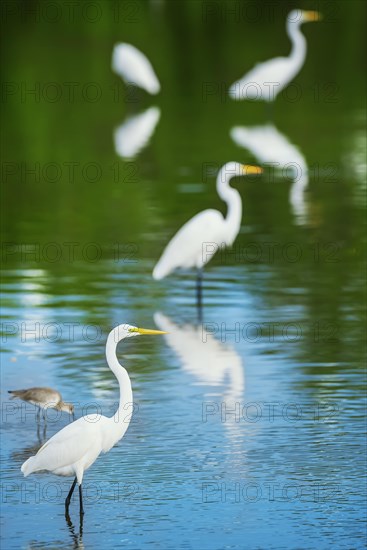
[
  {"x": 266, "y": 80},
  {"x": 75, "y": 448},
  {"x": 270, "y": 146},
  {"x": 135, "y": 132},
  {"x": 135, "y": 68},
  {"x": 201, "y": 237},
  {"x": 43, "y": 398}
]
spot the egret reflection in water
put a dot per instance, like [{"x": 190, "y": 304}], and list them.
[
  {"x": 209, "y": 361},
  {"x": 267, "y": 79},
  {"x": 135, "y": 132},
  {"x": 270, "y": 146}
]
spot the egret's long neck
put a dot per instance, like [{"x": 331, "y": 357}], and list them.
[
  {"x": 126, "y": 394},
  {"x": 234, "y": 203},
  {"x": 299, "y": 45}
]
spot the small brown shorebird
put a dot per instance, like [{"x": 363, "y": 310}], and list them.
[{"x": 43, "y": 398}]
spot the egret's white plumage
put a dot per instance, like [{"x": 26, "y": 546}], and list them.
[
  {"x": 199, "y": 239},
  {"x": 272, "y": 147},
  {"x": 74, "y": 449},
  {"x": 135, "y": 68},
  {"x": 266, "y": 80}
]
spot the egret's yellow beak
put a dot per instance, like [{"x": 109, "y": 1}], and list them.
[
  {"x": 312, "y": 15},
  {"x": 252, "y": 169},
  {"x": 146, "y": 331}
]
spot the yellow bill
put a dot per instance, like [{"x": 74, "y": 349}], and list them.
[
  {"x": 249, "y": 169},
  {"x": 312, "y": 15},
  {"x": 146, "y": 331}
]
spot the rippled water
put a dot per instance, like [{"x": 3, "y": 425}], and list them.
[
  {"x": 248, "y": 426},
  {"x": 236, "y": 426}
]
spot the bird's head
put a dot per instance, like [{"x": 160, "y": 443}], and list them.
[
  {"x": 303, "y": 16},
  {"x": 127, "y": 331},
  {"x": 66, "y": 407},
  {"x": 233, "y": 169}
]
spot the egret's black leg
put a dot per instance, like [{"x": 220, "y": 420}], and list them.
[
  {"x": 199, "y": 292},
  {"x": 81, "y": 509},
  {"x": 68, "y": 498}
]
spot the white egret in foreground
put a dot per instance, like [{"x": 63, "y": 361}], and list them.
[
  {"x": 75, "y": 448},
  {"x": 270, "y": 146},
  {"x": 201, "y": 237},
  {"x": 266, "y": 80},
  {"x": 135, "y": 68},
  {"x": 43, "y": 398}
]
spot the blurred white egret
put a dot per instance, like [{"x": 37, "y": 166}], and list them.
[
  {"x": 135, "y": 68},
  {"x": 270, "y": 146},
  {"x": 200, "y": 238},
  {"x": 267, "y": 79},
  {"x": 135, "y": 132},
  {"x": 75, "y": 448},
  {"x": 43, "y": 398}
]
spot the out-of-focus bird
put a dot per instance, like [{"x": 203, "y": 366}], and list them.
[
  {"x": 135, "y": 68},
  {"x": 75, "y": 448},
  {"x": 267, "y": 79},
  {"x": 135, "y": 132},
  {"x": 269, "y": 146},
  {"x": 43, "y": 398},
  {"x": 201, "y": 237}
]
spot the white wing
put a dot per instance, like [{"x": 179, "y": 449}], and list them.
[
  {"x": 265, "y": 80},
  {"x": 67, "y": 447},
  {"x": 193, "y": 245},
  {"x": 134, "y": 67}
]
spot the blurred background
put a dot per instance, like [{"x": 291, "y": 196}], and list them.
[{"x": 82, "y": 228}]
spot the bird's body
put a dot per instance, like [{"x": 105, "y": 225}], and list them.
[
  {"x": 135, "y": 68},
  {"x": 185, "y": 250},
  {"x": 75, "y": 448},
  {"x": 44, "y": 398},
  {"x": 200, "y": 238},
  {"x": 267, "y": 79}
]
